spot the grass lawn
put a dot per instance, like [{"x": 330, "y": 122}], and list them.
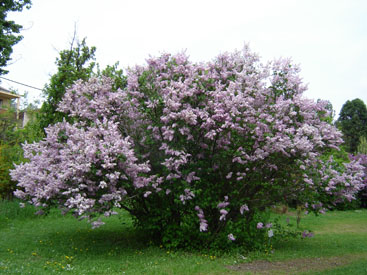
[{"x": 32, "y": 244}]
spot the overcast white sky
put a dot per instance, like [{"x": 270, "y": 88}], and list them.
[{"x": 328, "y": 38}]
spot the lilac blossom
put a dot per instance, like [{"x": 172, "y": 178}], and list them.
[
  {"x": 244, "y": 208},
  {"x": 231, "y": 237},
  {"x": 223, "y": 214},
  {"x": 203, "y": 222},
  {"x": 224, "y": 203},
  {"x": 362, "y": 160}
]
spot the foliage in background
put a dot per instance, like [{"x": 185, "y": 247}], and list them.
[
  {"x": 115, "y": 74},
  {"x": 362, "y": 146},
  {"x": 7, "y": 123},
  {"x": 12, "y": 136},
  {"x": 8, "y": 151},
  {"x": 8, "y": 156},
  {"x": 353, "y": 123},
  {"x": 9, "y": 30},
  {"x": 196, "y": 153}
]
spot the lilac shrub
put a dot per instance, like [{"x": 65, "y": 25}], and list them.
[
  {"x": 195, "y": 152},
  {"x": 362, "y": 194}
]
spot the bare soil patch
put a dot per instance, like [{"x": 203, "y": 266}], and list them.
[{"x": 295, "y": 265}]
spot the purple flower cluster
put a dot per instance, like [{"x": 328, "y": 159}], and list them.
[
  {"x": 81, "y": 167},
  {"x": 260, "y": 225},
  {"x": 362, "y": 159},
  {"x": 181, "y": 132},
  {"x": 307, "y": 234},
  {"x": 203, "y": 222}
]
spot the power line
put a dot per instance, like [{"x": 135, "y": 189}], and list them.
[{"x": 21, "y": 83}]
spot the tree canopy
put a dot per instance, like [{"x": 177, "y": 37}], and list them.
[
  {"x": 353, "y": 123},
  {"x": 72, "y": 64},
  {"x": 9, "y": 30}
]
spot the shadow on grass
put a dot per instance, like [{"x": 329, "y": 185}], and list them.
[
  {"x": 56, "y": 235},
  {"x": 98, "y": 241}
]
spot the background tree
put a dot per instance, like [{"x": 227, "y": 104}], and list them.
[
  {"x": 11, "y": 138},
  {"x": 116, "y": 74},
  {"x": 353, "y": 123},
  {"x": 7, "y": 123},
  {"x": 9, "y": 30},
  {"x": 72, "y": 64},
  {"x": 362, "y": 146}
]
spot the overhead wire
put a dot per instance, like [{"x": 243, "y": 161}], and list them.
[{"x": 29, "y": 86}]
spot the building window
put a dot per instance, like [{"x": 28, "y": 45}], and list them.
[{"x": 1, "y": 103}]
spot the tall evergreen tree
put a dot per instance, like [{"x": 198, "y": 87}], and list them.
[
  {"x": 9, "y": 30},
  {"x": 353, "y": 123}
]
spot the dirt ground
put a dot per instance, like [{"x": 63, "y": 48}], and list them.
[{"x": 292, "y": 266}]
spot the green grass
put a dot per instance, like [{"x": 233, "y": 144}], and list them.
[
  {"x": 32, "y": 244},
  {"x": 337, "y": 233}
]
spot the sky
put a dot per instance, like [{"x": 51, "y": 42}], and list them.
[{"x": 327, "y": 38}]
